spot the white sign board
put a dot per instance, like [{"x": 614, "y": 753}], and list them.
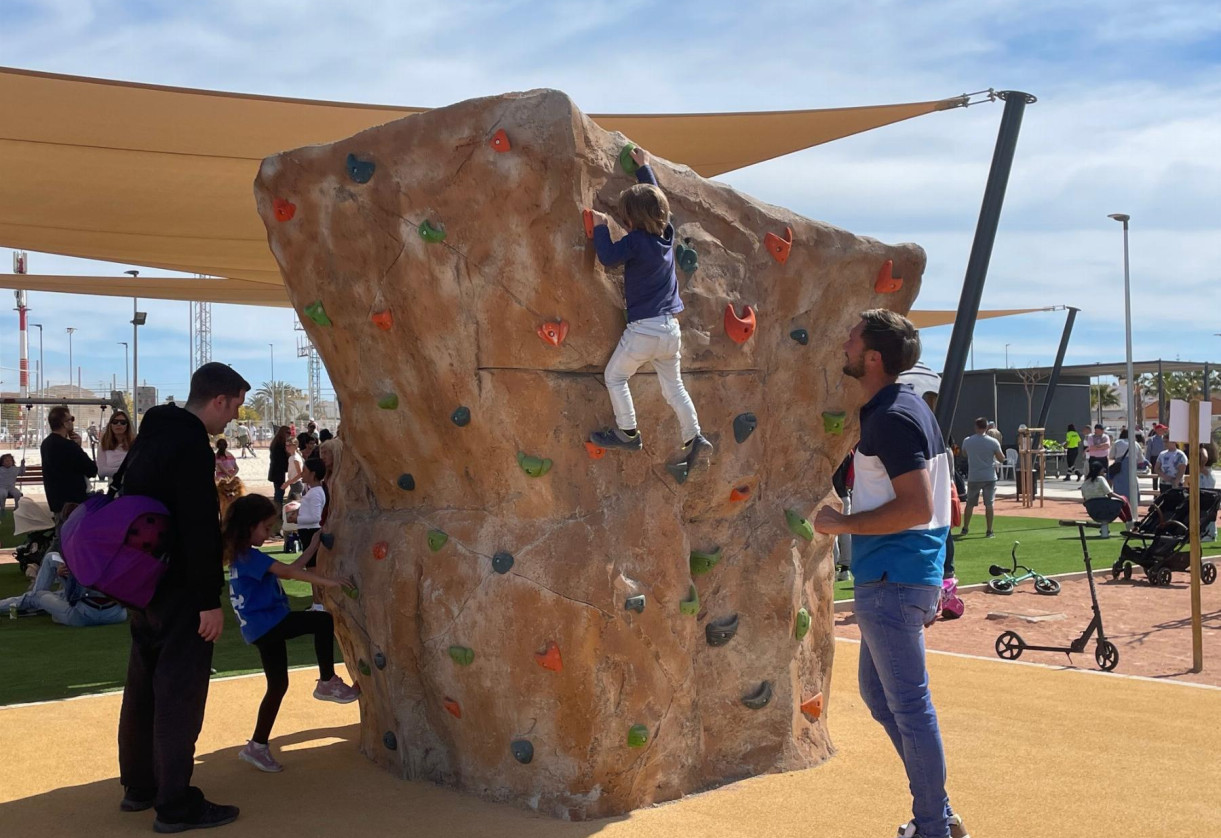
[{"x": 1179, "y": 413}]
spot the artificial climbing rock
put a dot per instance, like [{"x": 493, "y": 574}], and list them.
[
  {"x": 798, "y": 525},
  {"x": 741, "y": 328},
  {"x": 744, "y": 425},
  {"x": 533, "y": 466},
  {"x": 703, "y": 561},
  {"x": 314, "y": 311},
  {"x": 590, "y": 534}
]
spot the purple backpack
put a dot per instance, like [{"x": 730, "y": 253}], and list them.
[{"x": 117, "y": 546}]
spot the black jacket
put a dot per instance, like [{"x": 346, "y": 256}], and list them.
[
  {"x": 65, "y": 469},
  {"x": 173, "y": 462},
  {"x": 278, "y": 465}
]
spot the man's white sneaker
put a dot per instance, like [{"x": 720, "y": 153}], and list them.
[{"x": 957, "y": 829}]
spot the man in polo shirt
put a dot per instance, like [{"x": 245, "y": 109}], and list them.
[
  {"x": 983, "y": 453},
  {"x": 1171, "y": 467},
  {"x": 1098, "y": 447},
  {"x": 899, "y": 523}
]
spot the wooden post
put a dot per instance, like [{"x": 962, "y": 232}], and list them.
[{"x": 1193, "y": 478}]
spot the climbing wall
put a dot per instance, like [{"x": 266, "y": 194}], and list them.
[{"x": 533, "y": 619}]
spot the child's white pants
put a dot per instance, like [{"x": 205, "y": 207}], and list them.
[{"x": 656, "y": 340}]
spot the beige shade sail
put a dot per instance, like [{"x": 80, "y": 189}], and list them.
[{"x": 161, "y": 177}]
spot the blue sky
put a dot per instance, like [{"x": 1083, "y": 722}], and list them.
[{"x": 1125, "y": 123}]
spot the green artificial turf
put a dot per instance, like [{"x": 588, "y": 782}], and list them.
[
  {"x": 1045, "y": 547},
  {"x": 41, "y": 660}
]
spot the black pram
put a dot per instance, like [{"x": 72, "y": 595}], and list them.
[{"x": 1157, "y": 542}]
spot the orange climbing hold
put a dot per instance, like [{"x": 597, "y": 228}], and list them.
[
  {"x": 554, "y": 332},
  {"x": 284, "y": 209},
  {"x": 454, "y": 708},
  {"x": 500, "y": 141},
  {"x": 550, "y": 659},
  {"x": 741, "y": 328},
  {"x": 380, "y": 550},
  {"x": 778, "y": 247},
  {"x": 596, "y": 452},
  {"x": 382, "y": 319},
  {"x": 886, "y": 282},
  {"x": 588, "y": 216},
  {"x": 739, "y": 493},
  {"x": 812, "y": 707}
]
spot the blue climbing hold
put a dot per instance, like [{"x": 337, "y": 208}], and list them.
[
  {"x": 679, "y": 471},
  {"x": 328, "y": 540},
  {"x": 360, "y": 170},
  {"x": 686, "y": 257},
  {"x": 461, "y": 417},
  {"x": 502, "y": 562},
  {"x": 406, "y": 482},
  {"x": 390, "y": 740},
  {"x": 744, "y": 425},
  {"x": 379, "y": 660},
  {"x": 635, "y": 603},
  {"x": 800, "y": 335},
  {"x": 522, "y": 751}
]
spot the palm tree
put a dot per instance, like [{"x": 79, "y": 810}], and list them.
[
  {"x": 1103, "y": 395},
  {"x": 277, "y": 400}
]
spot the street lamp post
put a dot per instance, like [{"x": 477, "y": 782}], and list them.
[
  {"x": 274, "y": 416},
  {"x": 41, "y": 408},
  {"x": 1133, "y": 498},
  {"x": 126, "y": 369},
  {"x": 1007, "y": 345},
  {"x": 70, "y": 330},
  {"x": 138, "y": 319}
]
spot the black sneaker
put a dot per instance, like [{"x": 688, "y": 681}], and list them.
[
  {"x": 615, "y": 438},
  {"x": 209, "y": 815},
  {"x": 135, "y": 800},
  {"x": 696, "y": 450}
]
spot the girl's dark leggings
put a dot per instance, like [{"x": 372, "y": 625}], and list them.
[{"x": 273, "y": 649}]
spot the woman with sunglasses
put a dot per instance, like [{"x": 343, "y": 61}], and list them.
[{"x": 117, "y": 440}]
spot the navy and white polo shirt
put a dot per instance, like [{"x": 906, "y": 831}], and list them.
[{"x": 899, "y": 434}]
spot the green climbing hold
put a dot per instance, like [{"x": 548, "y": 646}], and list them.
[
  {"x": 390, "y": 401},
  {"x": 351, "y": 591},
  {"x": 833, "y": 421},
  {"x": 634, "y": 603},
  {"x": 803, "y": 623},
  {"x": 800, "y": 335},
  {"x": 379, "y": 660},
  {"x": 502, "y": 562},
  {"x": 533, "y": 466},
  {"x": 431, "y": 234},
  {"x": 760, "y": 697},
  {"x": 436, "y": 540},
  {"x": 363, "y": 667},
  {"x": 798, "y": 526},
  {"x": 637, "y": 736},
  {"x": 625, "y": 159},
  {"x": 461, "y": 417},
  {"x": 314, "y": 311},
  {"x": 522, "y": 751},
  {"x": 686, "y": 257},
  {"x": 690, "y": 605},
  {"x": 406, "y": 482},
  {"x": 678, "y": 471},
  {"x": 462, "y": 655},
  {"x": 703, "y": 561},
  {"x": 744, "y": 425}
]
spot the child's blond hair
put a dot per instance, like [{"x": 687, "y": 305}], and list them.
[{"x": 645, "y": 207}]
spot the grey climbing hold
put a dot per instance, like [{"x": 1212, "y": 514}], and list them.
[
  {"x": 719, "y": 632},
  {"x": 686, "y": 257},
  {"x": 635, "y": 603},
  {"x": 744, "y": 425},
  {"x": 328, "y": 540},
  {"x": 760, "y": 697},
  {"x": 406, "y": 482},
  {"x": 461, "y": 417},
  {"x": 678, "y": 471},
  {"x": 390, "y": 741},
  {"x": 522, "y": 751},
  {"x": 502, "y": 562},
  {"x": 800, "y": 335},
  {"x": 379, "y": 660}
]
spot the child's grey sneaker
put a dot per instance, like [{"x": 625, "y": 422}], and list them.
[
  {"x": 697, "y": 450},
  {"x": 615, "y": 438},
  {"x": 260, "y": 757},
  {"x": 957, "y": 829}
]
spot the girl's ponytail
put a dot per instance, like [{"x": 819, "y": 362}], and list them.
[{"x": 244, "y": 514}]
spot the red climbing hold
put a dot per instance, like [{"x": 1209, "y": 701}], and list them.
[
  {"x": 550, "y": 659},
  {"x": 741, "y": 328},
  {"x": 778, "y": 247},
  {"x": 596, "y": 452},
  {"x": 380, "y": 550},
  {"x": 454, "y": 708},
  {"x": 382, "y": 319},
  {"x": 500, "y": 141},
  {"x": 553, "y": 332},
  {"x": 588, "y": 215},
  {"x": 886, "y": 282},
  {"x": 812, "y": 707},
  {"x": 284, "y": 209},
  {"x": 739, "y": 493}
]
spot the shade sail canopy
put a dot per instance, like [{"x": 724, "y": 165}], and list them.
[
  {"x": 944, "y": 317},
  {"x": 161, "y": 177}
]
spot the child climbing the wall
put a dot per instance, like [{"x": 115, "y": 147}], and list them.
[
  {"x": 650, "y": 286},
  {"x": 266, "y": 620}
]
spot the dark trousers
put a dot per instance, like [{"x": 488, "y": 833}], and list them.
[
  {"x": 1102, "y": 460},
  {"x": 274, "y": 652},
  {"x": 163, "y": 705}
]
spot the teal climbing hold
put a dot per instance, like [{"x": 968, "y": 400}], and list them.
[
  {"x": 522, "y": 751},
  {"x": 800, "y": 335},
  {"x": 625, "y": 159},
  {"x": 328, "y": 540},
  {"x": 634, "y": 603},
  {"x": 379, "y": 660},
  {"x": 360, "y": 170},
  {"x": 719, "y": 632},
  {"x": 679, "y": 471},
  {"x": 686, "y": 257},
  {"x": 760, "y": 697},
  {"x": 431, "y": 234},
  {"x": 803, "y": 623},
  {"x": 502, "y": 562},
  {"x": 461, "y": 417},
  {"x": 314, "y": 311},
  {"x": 533, "y": 466},
  {"x": 462, "y": 655},
  {"x": 436, "y": 540},
  {"x": 798, "y": 525},
  {"x": 351, "y": 591},
  {"x": 363, "y": 667},
  {"x": 390, "y": 741},
  {"x": 406, "y": 482},
  {"x": 744, "y": 425},
  {"x": 637, "y": 736},
  {"x": 703, "y": 561},
  {"x": 833, "y": 421},
  {"x": 390, "y": 401},
  {"x": 690, "y": 605}
]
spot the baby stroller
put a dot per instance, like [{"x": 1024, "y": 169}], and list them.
[
  {"x": 34, "y": 521},
  {"x": 1156, "y": 543}
]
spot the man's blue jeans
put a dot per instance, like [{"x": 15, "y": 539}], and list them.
[{"x": 894, "y": 685}]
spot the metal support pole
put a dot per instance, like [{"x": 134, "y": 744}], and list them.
[
  {"x": 981, "y": 255},
  {"x": 135, "y": 366},
  {"x": 1161, "y": 384},
  {"x": 1208, "y": 393},
  {"x": 1055, "y": 370}
]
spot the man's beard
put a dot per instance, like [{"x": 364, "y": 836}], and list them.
[{"x": 855, "y": 370}]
